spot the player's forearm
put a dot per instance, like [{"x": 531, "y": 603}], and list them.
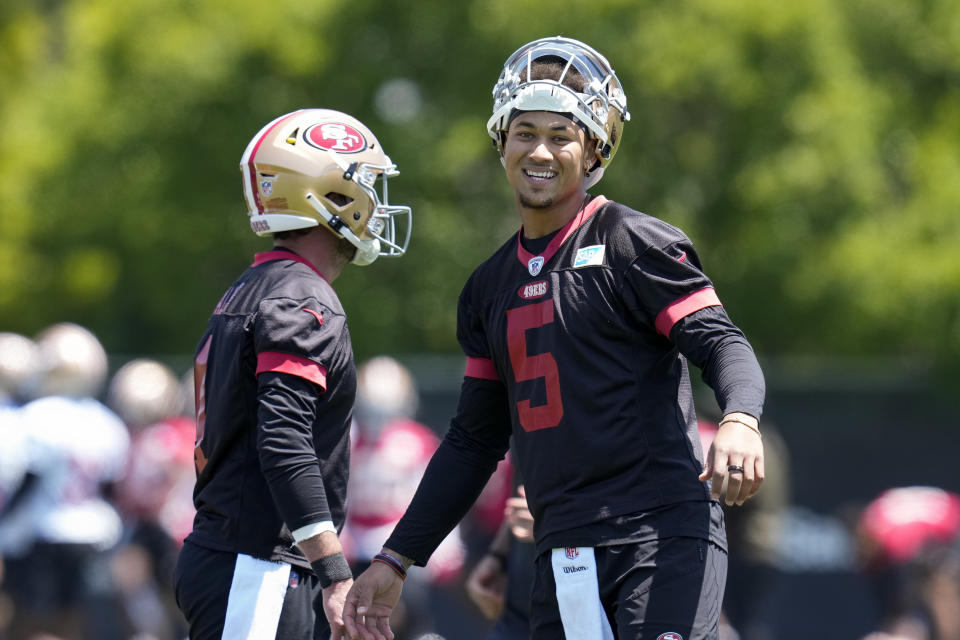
[
  {"x": 478, "y": 438},
  {"x": 321, "y": 545},
  {"x": 453, "y": 480},
  {"x": 325, "y": 554},
  {"x": 288, "y": 460},
  {"x": 714, "y": 344}
]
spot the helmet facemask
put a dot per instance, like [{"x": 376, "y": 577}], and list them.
[{"x": 384, "y": 229}]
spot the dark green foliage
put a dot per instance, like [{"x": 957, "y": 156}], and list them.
[{"x": 810, "y": 149}]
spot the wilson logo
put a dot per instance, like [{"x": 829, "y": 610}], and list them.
[
  {"x": 335, "y": 136},
  {"x": 533, "y": 290}
]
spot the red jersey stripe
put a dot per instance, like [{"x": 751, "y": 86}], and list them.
[
  {"x": 294, "y": 365},
  {"x": 683, "y": 307},
  {"x": 481, "y": 368}
]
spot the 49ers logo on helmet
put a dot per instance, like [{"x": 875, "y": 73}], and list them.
[{"x": 335, "y": 136}]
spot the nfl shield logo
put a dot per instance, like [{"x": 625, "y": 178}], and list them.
[
  {"x": 670, "y": 636},
  {"x": 266, "y": 186},
  {"x": 535, "y": 264},
  {"x": 571, "y": 552}
]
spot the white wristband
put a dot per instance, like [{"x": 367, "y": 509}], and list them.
[{"x": 310, "y": 530}]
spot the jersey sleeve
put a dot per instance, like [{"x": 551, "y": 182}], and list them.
[
  {"x": 710, "y": 340},
  {"x": 296, "y": 337},
  {"x": 665, "y": 283},
  {"x": 666, "y": 288},
  {"x": 286, "y": 410},
  {"x": 471, "y": 335}
]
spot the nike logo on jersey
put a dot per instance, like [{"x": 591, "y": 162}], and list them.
[
  {"x": 589, "y": 256},
  {"x": 535, "y": 264},
  {"x": 315, "y": 315}
]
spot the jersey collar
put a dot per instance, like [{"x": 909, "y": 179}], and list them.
[
  {"x": 281, "y": 253},
  {"x": 566, "y": 231}
]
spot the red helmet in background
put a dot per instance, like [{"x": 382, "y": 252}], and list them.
[{"x": 901, "y": 522}]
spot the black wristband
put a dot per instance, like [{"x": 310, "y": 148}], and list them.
[{"x": 332, "y": 568}]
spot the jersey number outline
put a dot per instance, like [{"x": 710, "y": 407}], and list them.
[{"x": 532, "y": 367}]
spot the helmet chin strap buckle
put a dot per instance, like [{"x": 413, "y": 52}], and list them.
[{"x": 367, "y": 250}]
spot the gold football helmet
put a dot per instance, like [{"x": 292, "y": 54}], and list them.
[
  {"x": 72, "y": 361},
  {"x": 143, "y": 392},
  {"x": 318, "y": 167},
  {"x": 601, "y": 107}
]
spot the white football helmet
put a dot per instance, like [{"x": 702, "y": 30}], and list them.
[
  {"x": 386, "y": 390},
  {"x": 601, "y": 107},
  {"x": 318, "y": 167}
]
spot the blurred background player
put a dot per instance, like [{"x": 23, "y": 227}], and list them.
[
  {"x": 275, "y": 383},
  {"x": 908, "y": 543},
  {"x": 754, "y": 532},
  {"x": 154, "y": 496},
  {"x": 58, "y": 529},
  {"x": 390, "y": 451},
  {"x": 500, "y": 582},
  {"x": 18, "y": 365}
]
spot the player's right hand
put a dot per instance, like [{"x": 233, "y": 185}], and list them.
[
  {"x": 487, "y": 586},
  {"x": 369, "y": 603},
  {"x": 517, "y": 514}
]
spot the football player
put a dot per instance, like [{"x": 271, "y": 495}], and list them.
[
  {"x": 275, "y": 382},
  {"x": 577, "y": 332}
]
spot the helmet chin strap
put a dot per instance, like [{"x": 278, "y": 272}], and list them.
[{"x": 367, "y": 250}]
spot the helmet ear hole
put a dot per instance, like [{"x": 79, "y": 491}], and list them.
[{"x": 339, "y": 199}]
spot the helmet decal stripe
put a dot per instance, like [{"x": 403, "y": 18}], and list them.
[{"x": 248, "y": 165}]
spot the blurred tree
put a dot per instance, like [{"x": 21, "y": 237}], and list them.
[{"x": 811, "y": 149}]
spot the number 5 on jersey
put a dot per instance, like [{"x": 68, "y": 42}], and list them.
[{"x": 533, "y": 367}]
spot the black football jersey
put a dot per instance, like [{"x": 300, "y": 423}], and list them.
[
  {"x": 276, "y": 383},
  {"x": 599, "y": 395}
]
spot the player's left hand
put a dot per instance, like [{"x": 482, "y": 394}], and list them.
[
  {"x": 735, "y": 445},
  {"x": 334, "y": 598}
]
